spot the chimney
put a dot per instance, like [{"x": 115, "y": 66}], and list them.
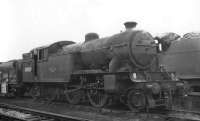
[
  {"x": 130, "y": 25},
  {"x": 91, "y": 36}
]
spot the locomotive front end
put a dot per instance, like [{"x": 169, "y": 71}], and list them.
[
  {"x": 121, "y": 67},
  {"x": 155, "y": 89},
  {"x": 142, "y": 50},
  {"x": 152, "y": 87}
]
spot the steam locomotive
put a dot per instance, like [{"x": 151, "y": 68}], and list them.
[
  {"x": 123, "y": 67},
  {"x": 10, "y": 78},
  {"x": 181, "y": 55}
]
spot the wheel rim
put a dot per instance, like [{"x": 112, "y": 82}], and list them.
[
  {"x": 97, "y": 98},
  {"x": 96, "y": 94},
  {"x": 136, "y": 100},
  {"x": 74, "y": 97}
]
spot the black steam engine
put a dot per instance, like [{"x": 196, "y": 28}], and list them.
[
  {"x": 122, "y": 67},
  {"x": 10, "y": 78}
]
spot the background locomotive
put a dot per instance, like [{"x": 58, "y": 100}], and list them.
[
  {"x": 121, "y": 67},
  {"x": 182, "y": 55},
  {"x": 10, "y": 77}
]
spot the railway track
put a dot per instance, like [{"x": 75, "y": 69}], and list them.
[
  {"x": 184, "y": 115},
  {"x": 13, "y": 112},
  {"x": 19, "y": 113}
]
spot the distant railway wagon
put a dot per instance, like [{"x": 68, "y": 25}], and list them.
[
  {"x": 123, "y": 67},
  {"x": 182, "y": 55}
]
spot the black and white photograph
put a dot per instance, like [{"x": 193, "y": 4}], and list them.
[{"x": 100, "y": 60}]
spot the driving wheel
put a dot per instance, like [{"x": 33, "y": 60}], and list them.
[
  {"x": 136, "y": 100},
  {"x": 97, "y": 98}
]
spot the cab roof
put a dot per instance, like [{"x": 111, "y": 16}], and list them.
[{"x": 54, "y": 46}]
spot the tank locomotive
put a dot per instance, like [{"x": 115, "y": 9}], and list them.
[
  {"x": 181, "y": 55},
  {"x": 123, "y": 67}
]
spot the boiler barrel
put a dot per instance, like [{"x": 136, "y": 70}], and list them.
[{"x": 134, "y": 46}]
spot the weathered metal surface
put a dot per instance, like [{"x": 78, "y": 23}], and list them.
[
  {"x": 28, "y": 71},
  {"x": 56, "y": 68},
  {"x": 136, "y": 47},
  {"x": 128, "y": 50},
  {"x": 54, "y": 46},
  {"x": 183, "y": 57},
  {"x": 53, "y": 66},
  {"x": 10, "y": 76},
  {"x": 7, "y": 65}
]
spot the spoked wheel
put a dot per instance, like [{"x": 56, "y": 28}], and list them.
[
  {"x": 74, "y": 97},
  {"x": 96, "y": 94},
  {"x": 97, "y": 98},
  {"x": 136, "y": 100}
]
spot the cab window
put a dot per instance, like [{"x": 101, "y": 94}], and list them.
[{"x": 42, "y": 54}]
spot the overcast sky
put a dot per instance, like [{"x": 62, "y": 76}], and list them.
[{"x": 25, "y": 24}]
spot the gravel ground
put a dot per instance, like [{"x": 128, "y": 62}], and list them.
[{"x": 82, "y": 111}]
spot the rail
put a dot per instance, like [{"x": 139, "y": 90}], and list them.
[
  {"x": 26, "y": 114},
  {"x": 184, "y": 115}
]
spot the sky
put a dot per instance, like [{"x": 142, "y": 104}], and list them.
[{"x": 26, "y": 24}]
